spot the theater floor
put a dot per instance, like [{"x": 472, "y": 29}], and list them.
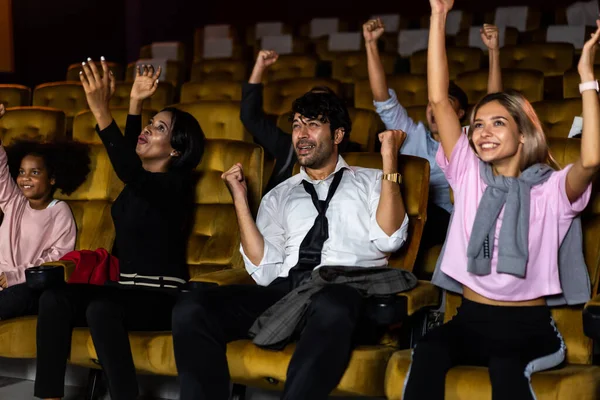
[{"x": 19, "y": 389}]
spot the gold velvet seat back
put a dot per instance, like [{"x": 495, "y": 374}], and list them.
[
  {"x": 411, "y": 90},
  {"x": 211, "y": 91},
  {"x": 292, "y": 66},
  {"x": 279, "y": 96},
  {"x": 557, "y": 116},
  {"x": 350, "y": 66},
  {"x": 68, "y": 97},
  {"x": 529, "y": 82},
  {"x": 551, "y": 58},
  {"x": 460, "y": 59},
  {"x": 218, "y": 70},
  {"x": 218, "y": 119},
  {"x": 14, "y": 95},
  {"x": 37, "y": 123},
  {"x": 164, "y": 95},
  {"x": 214, "y": 242}
]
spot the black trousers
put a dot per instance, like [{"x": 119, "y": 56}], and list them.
[
  {"x": 18, "y": 301},
  {"x": 110, "y": 312},
  {"x": 513, "y": 342},
  {"x": 205, "y": 321}
]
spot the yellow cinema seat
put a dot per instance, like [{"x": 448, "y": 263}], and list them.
[
  {"x": 351, "y": 66},
  {"x": 38, "y": 123},
  {"x": 557, "y": 116},
  {"x": 211, "y": 90},
  {"x": 164, "y": 95},
  {"x": 529, "y": 82},
  {"x": 571, "y": 81},
  {"x": 460, "y": 59},
  {"x": 291, "y": 66},
  {"x": 411, "y": 90},
  {"x": 68, "y": 97},
  {"x": 218, "y": 70},
  {"x": 15, "y": 95},
  {"x": 218, "y": 119},
  {"x": 550, "y": 58},
  {"x": 237, "y": 48},
  {"x": 278, "y": 96}
]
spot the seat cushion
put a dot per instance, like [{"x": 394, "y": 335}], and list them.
[
  {"x": 17, "y": 337},
  {"x": 256, "y": 367},
  {"x": 574, "y": 381}
]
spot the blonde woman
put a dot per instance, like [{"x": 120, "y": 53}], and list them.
[{"x": 514, "y": 228}]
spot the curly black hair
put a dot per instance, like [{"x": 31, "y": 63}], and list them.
[
  {"x": 68, "y": 162},
  {"x": 323, "y": 104}
]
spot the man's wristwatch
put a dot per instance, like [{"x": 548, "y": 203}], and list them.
[{"x": 395, "y": 177}]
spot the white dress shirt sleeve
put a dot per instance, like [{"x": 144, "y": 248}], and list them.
[
  {"x": 268, "y": 222},
  {"x": 384, "y": 242}
]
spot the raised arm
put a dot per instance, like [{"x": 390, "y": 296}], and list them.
[
  {"x": 438, "y": 78},
  {"x": 144, "y": 87},
  {"x": 390, "y": 211},
  {"x": 252, "y": 240},
  {"x": 586, "y": 167},
  {"x": 276, "y": 142},
  {"x": 8, "y": 187},
  {"x": 490, "y": 37},
  {"x": 372, "y": 31}
]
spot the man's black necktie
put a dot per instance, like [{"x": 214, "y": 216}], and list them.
[{"x": 312, "y": 245}]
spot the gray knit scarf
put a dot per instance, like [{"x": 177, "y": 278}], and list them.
[{"x": 514, "y": 195}]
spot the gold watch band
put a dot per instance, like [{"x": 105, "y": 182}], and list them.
[{"x": 394, "y": 177}]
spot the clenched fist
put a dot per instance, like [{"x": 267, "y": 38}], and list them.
[
  {"x": 391, "y": 142},
  {"x": 441, "y": 6},
  {"x": 489, "y": 36},
  {"x": 373, "y": 29},
  {"x": 266, "y": 58},
  {"x": 236, "y": 182}
]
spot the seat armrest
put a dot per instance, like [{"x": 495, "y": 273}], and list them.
[
  {"x": 591, "y": 318},
  {"x": 69, "y": 267},
  {"x": 235, "y": 276},
  {"x": 424, "y": 295}
]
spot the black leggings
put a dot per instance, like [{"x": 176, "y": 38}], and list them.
[
  {"x": 110, "y": 312},
  {"x": 513, "y": 342},
  {"x": 18, "y": 301}
]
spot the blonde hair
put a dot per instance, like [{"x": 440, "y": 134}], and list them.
[{"x": 535, "y": 146}]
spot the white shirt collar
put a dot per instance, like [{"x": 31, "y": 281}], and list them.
[{"x": 340, "y": 164}]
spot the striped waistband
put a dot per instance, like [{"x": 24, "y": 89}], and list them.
[{"x": 151, "y": 281}]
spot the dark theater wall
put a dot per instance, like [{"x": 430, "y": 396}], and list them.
[{"x": 51, "y": 34}]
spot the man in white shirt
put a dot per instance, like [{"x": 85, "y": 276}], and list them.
[{"x": 328, "y": 214}]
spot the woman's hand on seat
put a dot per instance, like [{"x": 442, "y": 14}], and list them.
[
  {"x": 146, "y": 82},
  {"x": 98, "y": 88}
]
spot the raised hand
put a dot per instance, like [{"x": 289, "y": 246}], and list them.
[
  {"x": 236, "y": 182},
  {"x": 373, "y": 29},
  {"x": 490, "y": 36},
  {"x": 98, "y": 90},
  {"x": 588, "y": 55},
  {"x": 146, "y": 82},
  {"x": 266, "y": 58},
  {"x": 441, "y": 6},
  {"x": 391, "y": 142},
  {"x": 2, "y": 110}
]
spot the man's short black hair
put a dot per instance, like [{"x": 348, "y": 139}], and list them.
[{"x": 322, "y": 104}]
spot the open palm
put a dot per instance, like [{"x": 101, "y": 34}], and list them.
[{"x": 146, "y": 82}]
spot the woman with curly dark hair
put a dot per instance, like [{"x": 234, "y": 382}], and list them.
[{"x": 36, "y": 228}]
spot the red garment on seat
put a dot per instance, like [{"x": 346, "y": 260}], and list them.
[{"x": 93, "y": 267}]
